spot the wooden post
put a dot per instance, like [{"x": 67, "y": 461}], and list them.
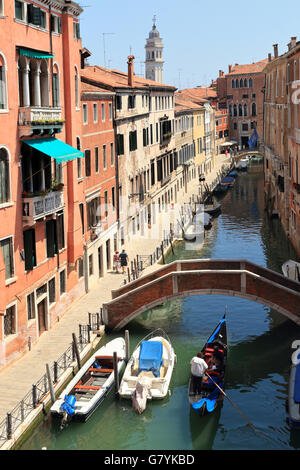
[
  {"x": 162, "y": 253},
  {"x": 76, "y": 351},
  {"x": 127, "y": 346},
  {"x": 135, "y": 269},
  {"x": 51, "y": 388},
  {"x": 128, "y": 272},
  {"x": 172, "y": 246},
  {"x": 116, "y": 374}
]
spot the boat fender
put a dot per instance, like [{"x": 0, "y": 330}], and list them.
[{"x": 69, "y": 404}]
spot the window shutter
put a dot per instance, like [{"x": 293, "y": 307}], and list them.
[
  {"x": 51, "y": 238},
  {"x": 29, "y": 249},
  {"x": 59, "y": 25}
]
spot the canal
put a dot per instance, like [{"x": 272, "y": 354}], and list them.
[{"x": 259, "y": 353}]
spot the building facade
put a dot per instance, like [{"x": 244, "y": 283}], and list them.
[
  {"x": 240, "y": 91},
  {"x": 40, "y": 117}
]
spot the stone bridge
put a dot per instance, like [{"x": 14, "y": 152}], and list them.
[
  {"x": 182, "y": 278},
  {"x": 246, "y": 152}
]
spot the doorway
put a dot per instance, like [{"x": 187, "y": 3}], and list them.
[
  {"x": 42, "y": 316},
  {"x": 100, "y": 261},
  {"x": 108, "y": 258}
]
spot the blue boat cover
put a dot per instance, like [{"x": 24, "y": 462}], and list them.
[
  {"x": 215, "y": 333},
  {"x": 227, "y": 179},
  {"x": 297, "y": 383},
  {"x": 151, "y": 357}
]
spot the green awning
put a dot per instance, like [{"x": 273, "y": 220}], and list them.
[
  {"x": 35, "y": 54},
  {"x": 55, "y": 148}
]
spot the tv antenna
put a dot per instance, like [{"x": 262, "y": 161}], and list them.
[{"x": 105, "y": 34}]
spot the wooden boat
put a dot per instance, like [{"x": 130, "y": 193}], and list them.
[
  {"x": 227, "y": 181},
  {"x": 215, "y": 351},
  {"x": 294, "y": 392},
  {"x": 233, "y": 174},
  {"x": 212, "y": 207},
  {"x": 220, "y": 189},
  {"x": 91, "y": 384},
  {"x": 149, "y": 370},
  {"x": 291, "y": 269}
]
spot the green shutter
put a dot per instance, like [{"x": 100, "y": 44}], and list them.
[{"x": 29, "y": 249}]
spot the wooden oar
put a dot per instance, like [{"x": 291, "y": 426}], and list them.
[{"x": 225, "y": 395}]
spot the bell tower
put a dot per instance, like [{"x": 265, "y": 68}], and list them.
[{"x": 154, "y": 55}]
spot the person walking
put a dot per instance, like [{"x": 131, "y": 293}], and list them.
[
  {"x": 116, "y": 262},
  {"x": 124, "y": 260}
]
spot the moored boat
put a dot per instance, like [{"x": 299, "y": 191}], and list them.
[
  {"x": 294, "y": 392},
  {"x": 227, "y": 181},
  {"x": 214, "y": 351},
  {"x": 242, "y": 164},
  {"x": 190, "y": 233},
  {"x": 91, "y": 384},
  {"x": 212, "y": 207},
  {"x": 291, "y": 269},
  {"x": 149, "y": 370},
  {"x": 220, "y": 189}
]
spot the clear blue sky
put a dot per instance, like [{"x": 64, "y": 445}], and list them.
[{"x": 200, "y": 37}]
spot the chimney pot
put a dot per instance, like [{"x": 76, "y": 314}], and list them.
[
  {"x": 229, "y": 68},
  {"x": 130, "y": 69},
  {"x": 270, "y": 57},
  {"x": 275, "y": 46},
  {"x": 293, "y": 41}
]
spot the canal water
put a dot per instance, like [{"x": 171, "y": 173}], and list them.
[{"x": 259, "y": 339}]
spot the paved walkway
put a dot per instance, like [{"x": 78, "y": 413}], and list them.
[{"x": 17, "y": 379}]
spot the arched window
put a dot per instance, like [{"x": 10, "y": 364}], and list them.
[
  {"x": 240, "y": 110},
  {"x": 253, "y": 109},
  {"x": 55, "y": 86},
  {"x": 237, "y": 83},
  {"x": 76, "y": 87},
  {"x": 241, "y": 83},
  {"x": 3, "y": 83},
  {"x": 44, "y": 84},
  {"x": 245, "y": 83},
  {"x": 230, "y": 110},
  {"x": 232, "y": 84},
  {"x": 245, "y": 110},
  {"x": 234, "y": 110},
  {"x": 4, "y": 176},
  {"x": 250, "y": 83}
]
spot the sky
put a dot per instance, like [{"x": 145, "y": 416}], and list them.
[{"x": 199, "y": 37}]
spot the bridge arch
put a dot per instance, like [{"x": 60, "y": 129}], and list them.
[{"x": 237, "y": 278}]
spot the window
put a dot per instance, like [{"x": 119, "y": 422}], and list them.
[
  {"x": 91, "y": 268},
  {"x": 253, "y": 109},
  {"x": 1, "y": 8},
  {"x": 250, "y": 83},
  {"x": 6, "y": 246},
  {"x": 103, "y": 112},
  {"x": 244, "y": 127},
  {"x": 52, "y": 291},
  {"x": 80, "y": 268},
  {"x": 110, "y": 111},
  {"x": 93, "y": 212},
  {"x": 36, "y": 16},
  {"x": 104, "y": 158},
  {"x": 4, "y": 176},
  {"x": 3, "y": 84},
  {"x": 112, "y": 160},
  {"x": 85, "y": 113},
  {"x": 29, "y": 249},
  {"x": 10, "y": 321},
  {"x": 120, "y": 144},
  {"x": 96, "y": 160},
  {"x": 105, "y": 204},
  {"x": 95, "y": 112},
  {"x": 87, "y": 159},
  {"x": 132, "y": 141},
  {"x": 31, "y": 306},
  {"x": 51, "y": 238},
  {"x": 76, "y": 30},
  {"x": 60, "y": 231},
  {"x": 119, "y": 102},
  {"x": 81, "y": 210},
  {"x": 77, "y": 95},
  {"x": 245, "y": 110},
  {"x": 62, "y": 282},
  {"x": 19, "y": 10},
  {"x": 113, "y": 201},
  {"x": 55, "y": 24},
  {"x": 55, "y": 87},
  {"x": 131, "y": 101}
]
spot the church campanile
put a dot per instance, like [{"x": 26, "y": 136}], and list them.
[{"x": 154, "y": 55}]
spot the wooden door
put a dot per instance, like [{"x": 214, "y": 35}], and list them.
[{"x": 42, "y": 310}]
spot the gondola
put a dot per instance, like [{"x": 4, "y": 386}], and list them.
[{"x": 215, "y": 352}]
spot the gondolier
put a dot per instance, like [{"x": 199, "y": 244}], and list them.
[{"x": 198, "y": 368}]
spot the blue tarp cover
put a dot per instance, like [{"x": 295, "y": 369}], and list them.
[
  {"x": 151, "y": 357},
  {"x": 297, "y": 383}
]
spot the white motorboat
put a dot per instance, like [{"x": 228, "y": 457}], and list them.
[
  {"x": 91, "y": 384},
  {"x": 242, "y": 164},
  {"x": 190, "y": 233},
  {"x": 149, "y": 370},
  {"x": 291, "y": 269},
  {"x": 293, "y": 401}
]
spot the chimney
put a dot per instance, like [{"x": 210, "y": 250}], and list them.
[
  {"x": 130, "y": 69},
  {"x": 269, "y": 57},
  {"x": 229, "y": 68},
  {"x": 275, "y": 46},
  {"x": 293, "y": 41}
]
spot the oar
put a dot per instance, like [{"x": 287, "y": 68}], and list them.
[{"x": 225, "y": 395}]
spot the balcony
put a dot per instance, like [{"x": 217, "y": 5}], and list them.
[
  {"x": 36, "y": 120},
  {"x": 39, "y": 206}
]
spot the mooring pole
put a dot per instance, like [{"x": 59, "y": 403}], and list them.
[
  {"x": 127, "y": 346},
  {"x": 76, "y": 351},
  {"x": 162, "y": 253},
  {"x": 51, "y": 388},
  {"x": 116, "y": 374}
]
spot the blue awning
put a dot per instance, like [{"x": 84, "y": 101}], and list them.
[{"x": 55, "y": 148}]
